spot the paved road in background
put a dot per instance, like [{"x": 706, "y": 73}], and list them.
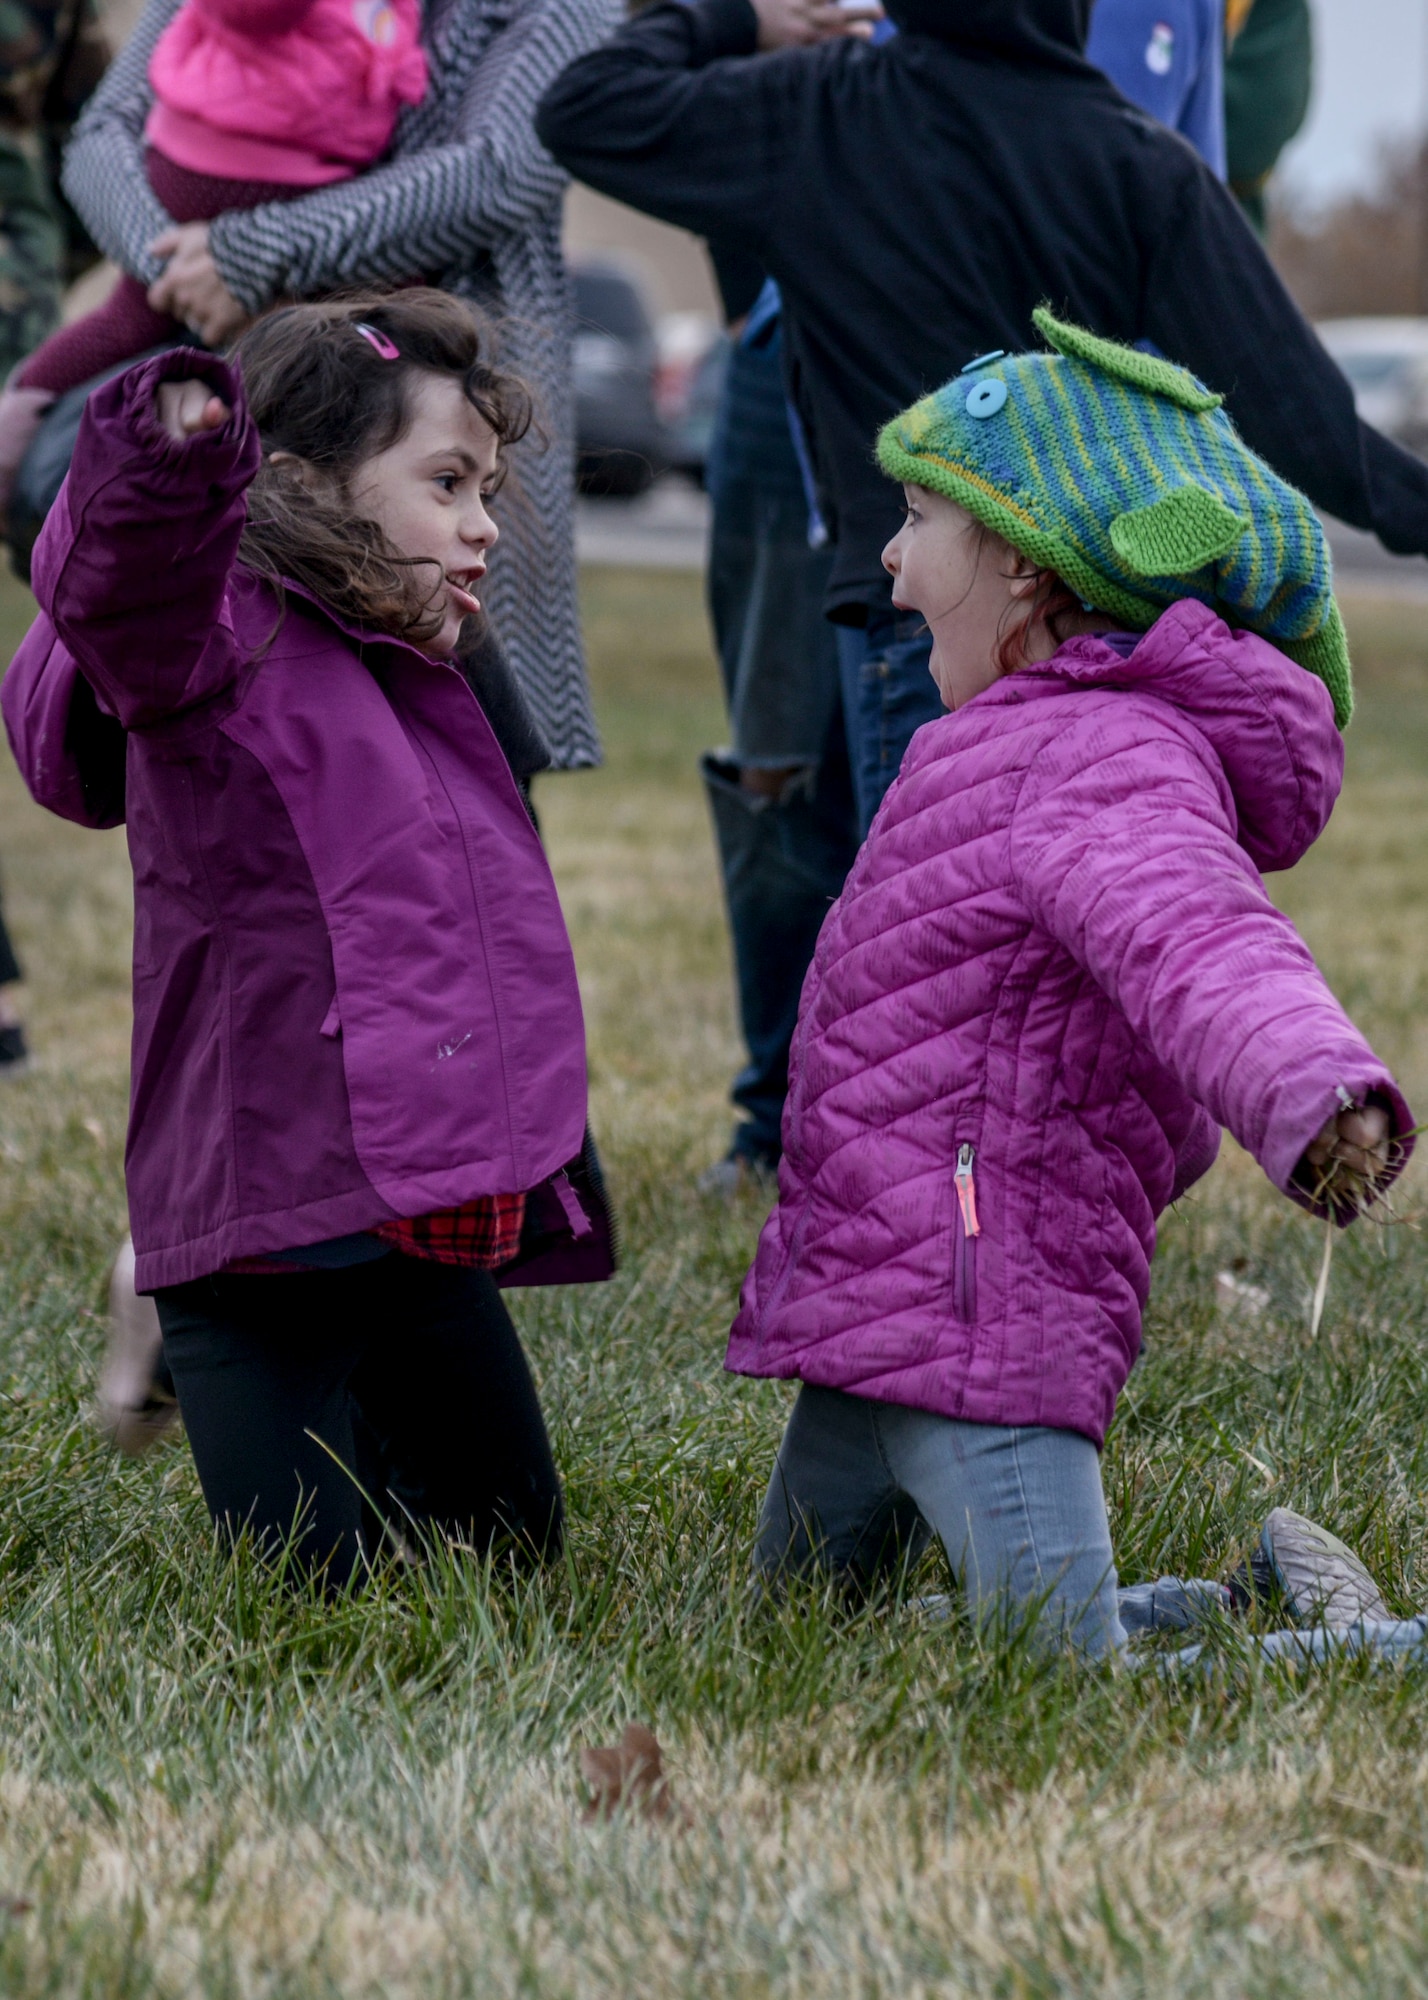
[{"x": 668, "y": 528}]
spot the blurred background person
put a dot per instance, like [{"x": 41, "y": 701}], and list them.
[
  {"x": 780, "y": 794},
  {"x": 1269, "y": 74}
]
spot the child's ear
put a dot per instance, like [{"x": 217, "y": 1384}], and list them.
[
  {"x": 304, "y": 469},
  {"x": 1184, "y": 530}
]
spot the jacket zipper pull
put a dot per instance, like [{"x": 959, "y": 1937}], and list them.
[{"x": 967, "y": 1191}]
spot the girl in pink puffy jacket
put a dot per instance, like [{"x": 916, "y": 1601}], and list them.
[
  {"x": 254, "y": 101},
  {"x": 1053, "y": 976}
]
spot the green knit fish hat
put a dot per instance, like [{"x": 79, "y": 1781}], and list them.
[{"x": 1121, "y": 472}]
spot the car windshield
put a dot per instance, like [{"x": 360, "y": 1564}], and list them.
[{"x": 607, "y": 303}]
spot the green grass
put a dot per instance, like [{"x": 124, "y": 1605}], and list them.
[{"x": 207, "y": 1787}]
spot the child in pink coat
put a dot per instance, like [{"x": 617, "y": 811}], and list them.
[
  {"x": 1053, "y": 976},
  {"x": 254, "y": 101}
]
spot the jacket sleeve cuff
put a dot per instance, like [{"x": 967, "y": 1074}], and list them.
[{"x": 722, "y": 28}]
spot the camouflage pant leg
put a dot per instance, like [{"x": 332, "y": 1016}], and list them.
[{"x": 31, "y": 249}]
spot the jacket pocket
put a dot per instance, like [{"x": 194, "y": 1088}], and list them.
[
  {"x": 965, "y": 1231},
  {"x": 331, "y": 1022}
]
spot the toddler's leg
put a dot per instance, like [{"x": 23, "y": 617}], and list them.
[
  {"x": 1022, "y": 1516},
  {"x": 451, "y": 1418},
  {"x": 119, "y": 330},
  {"x": 833, "y": 1502}
]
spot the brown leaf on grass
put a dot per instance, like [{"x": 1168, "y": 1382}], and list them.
[
  {"x": 15, "y": 1906},
  {"x": 629, "y": 1777}
]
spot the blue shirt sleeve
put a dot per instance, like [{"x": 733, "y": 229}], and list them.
[
  {"x": 1167, "y": 56},
  {"x": 1202, "y": 117}
]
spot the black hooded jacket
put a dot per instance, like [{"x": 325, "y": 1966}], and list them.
[{"x": 917, "y": 200}]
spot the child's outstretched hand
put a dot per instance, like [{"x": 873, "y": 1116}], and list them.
[
  {"x": 187, "y": 409},
  {"x": 1351, "y": 1149}
]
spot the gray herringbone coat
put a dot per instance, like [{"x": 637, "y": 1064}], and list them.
[{"x": 468, "y": 199}]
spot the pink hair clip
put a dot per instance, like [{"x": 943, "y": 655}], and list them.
[{"x": 388, "y": 350}]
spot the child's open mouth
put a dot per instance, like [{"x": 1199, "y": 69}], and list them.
[{"x": 461, "y": 596}]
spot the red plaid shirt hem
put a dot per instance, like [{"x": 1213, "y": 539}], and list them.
[{"x": 482, "y": 1234}]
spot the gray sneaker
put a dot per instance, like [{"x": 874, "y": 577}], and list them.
[{"x": 1320, "y": 1578}]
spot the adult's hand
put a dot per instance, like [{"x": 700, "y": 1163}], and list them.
[
  {"x": 798, "y": 24},
  {"x": 190, "y": 288}
]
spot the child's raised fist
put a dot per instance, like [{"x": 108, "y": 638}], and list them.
[{"x": 187, "y": 409}]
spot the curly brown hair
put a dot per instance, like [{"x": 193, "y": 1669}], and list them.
[
  {"x": 1052, "y": 599},
  {"x": 319, "y": 389}
]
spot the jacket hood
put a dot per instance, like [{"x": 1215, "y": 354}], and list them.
[
  {"x": 1270, "y": 722},
  {"x": 1042, "y": 31}
]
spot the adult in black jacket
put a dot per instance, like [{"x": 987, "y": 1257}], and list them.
[{"x": 915, "y": 201}]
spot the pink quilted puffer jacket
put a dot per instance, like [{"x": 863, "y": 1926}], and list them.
[{"x": 1053, "y": 975}]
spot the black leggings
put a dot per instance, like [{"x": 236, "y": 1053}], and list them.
[{"x": 401, "y": 1381}]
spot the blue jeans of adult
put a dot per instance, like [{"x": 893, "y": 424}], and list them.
[
  {"x": 780, "y": 794},
  {"x": 860, "y": 1487},
  {"x": 888, "y": 693}
]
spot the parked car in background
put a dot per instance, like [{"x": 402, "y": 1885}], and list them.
[
  {"x": 620, "y": 440},
  {"x": 1386, "y": 361}
]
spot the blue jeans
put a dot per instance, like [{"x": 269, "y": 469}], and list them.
[
  {"x": 888, "y": 693},
  {"x": 860, "y": 1487},
  {"x": 784, "y": 854}
]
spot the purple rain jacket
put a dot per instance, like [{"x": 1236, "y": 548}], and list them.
[
  {"x": 1053, "y": 975},
  {"x": 354, "y": 995}
]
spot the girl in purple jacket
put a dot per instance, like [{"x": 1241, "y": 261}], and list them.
[
  {"x": 358, "y": 1070},
  {"x": 1053, "y": 976}
]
